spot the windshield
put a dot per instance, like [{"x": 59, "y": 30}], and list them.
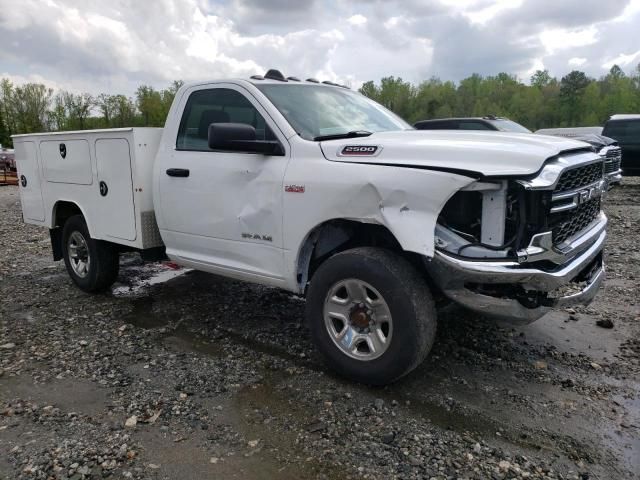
[
  {"x": 318, "y": 111},
  {"x": 509, "y": 126}
]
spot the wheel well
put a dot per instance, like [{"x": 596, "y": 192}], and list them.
[
  {"x": 62, "y": 211},
  {"x": 335, "y": 236}
]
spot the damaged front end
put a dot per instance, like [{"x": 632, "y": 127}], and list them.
[{"x": 516, "y": 248}]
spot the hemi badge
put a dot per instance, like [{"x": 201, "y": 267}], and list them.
[{"x": 294, "y": 188}]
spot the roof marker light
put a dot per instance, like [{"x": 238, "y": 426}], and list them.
[{"x": 274, "y": 74}]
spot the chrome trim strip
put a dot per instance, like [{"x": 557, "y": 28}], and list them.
[
  {"x": 614, "y": 177},
  {"x": 578, "y": 196},
  {"x": 514, "y": 312},
  {"x": 550, "y": 174},
  {"x": 453, "y": 273},
  {"x": 541, "y": 246},
  {"x": 586, "y": 295}
]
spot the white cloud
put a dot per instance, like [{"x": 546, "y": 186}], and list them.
[
  {"x": 485, "y": 13},
  {"x": 32, "y": 78},
  {"x": 393, "y": 22},
  {"x": 560, "y": 39},
  {"x": 622, "y": 60},
  {"x": 536, "y": 64},
  {"x": 357, "y": 19},
  {"x": 93, "y": 45}
]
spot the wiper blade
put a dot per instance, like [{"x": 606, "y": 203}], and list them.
[{"x": 337, "y": 136}]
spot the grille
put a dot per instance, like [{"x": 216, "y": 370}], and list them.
[
  {"x": 612, "y": 160},
  {"x": 566, "y": 224},
  {"x": 579, "y": 177}
]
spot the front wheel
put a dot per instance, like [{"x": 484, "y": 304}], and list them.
[
  {"x": 92, "y": 264},
  {"x": 371, "y": 315}
]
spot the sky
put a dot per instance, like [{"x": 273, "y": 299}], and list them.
[{"x": 113, "y": 46}]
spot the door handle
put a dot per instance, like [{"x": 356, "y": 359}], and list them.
[{"x": 178, "y": 172}]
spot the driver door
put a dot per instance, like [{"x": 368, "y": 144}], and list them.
[{"x": 221, "y": 211}]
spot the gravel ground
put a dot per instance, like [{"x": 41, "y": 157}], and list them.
[{"x": 180, "y": 374}]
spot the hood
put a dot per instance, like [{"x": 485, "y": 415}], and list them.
[{"x": 485, "y": 153}]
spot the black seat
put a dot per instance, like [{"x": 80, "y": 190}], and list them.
[{"x": 207, "y": 118}]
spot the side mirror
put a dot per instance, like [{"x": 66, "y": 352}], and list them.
[{"x": 240, "y": 137}]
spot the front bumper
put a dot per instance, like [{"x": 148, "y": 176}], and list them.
[
  {"x": 458, "y": 279},
  {"x": 614, "y": 178}
]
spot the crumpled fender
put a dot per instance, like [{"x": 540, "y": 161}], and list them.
[{"x": 407, "y": 201}]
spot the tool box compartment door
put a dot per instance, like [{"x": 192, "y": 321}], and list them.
[
  {"x": 116, "y": 209},
  {"x": 66, "y": 161},
  {"x": 29, "y": 181}
]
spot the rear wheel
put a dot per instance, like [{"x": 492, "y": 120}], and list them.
[
  {"x": 92, "y": 264},
  {"x": 371, "y": 315}
]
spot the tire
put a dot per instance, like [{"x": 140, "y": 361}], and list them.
[
  {"x": 100, "y": 258},
  {"x": 409, "y": 317}
]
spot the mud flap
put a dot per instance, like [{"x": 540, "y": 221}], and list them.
[{"x": 56, "y": 243}]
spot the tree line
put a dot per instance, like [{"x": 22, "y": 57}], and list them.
[
  {"x": 574, "y": 100},
  {"x": 33, "y": 107}
]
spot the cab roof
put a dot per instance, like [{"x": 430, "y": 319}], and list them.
[{"x": 625, "y": 116}]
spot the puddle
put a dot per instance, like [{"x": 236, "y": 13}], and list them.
[
  {"x": 185, "y": 341},
  {"x": 256, "y": 408},
  {"x": 146, "y": 276},
  {"x": 456, "y": 417},
  {"x": 143, "y": 316},
  {"x": 173, "y": 307},
  {"x": 625, "y": 433},
  {"x": 574, "y": 337},
  {"x": 86, "y": 398}
]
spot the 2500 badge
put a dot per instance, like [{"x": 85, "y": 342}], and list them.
[{"x": 359, "y": 150}]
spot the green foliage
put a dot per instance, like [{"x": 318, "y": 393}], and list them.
[
  {"x": 24, "y": 108},
  {"x": 5, "y": 138},
  {"x": 71, "y": 111},
  {"x": 34, "y": 108},
  {"x": 154, "y": 105},
  {"x": 575, "y": 100}
]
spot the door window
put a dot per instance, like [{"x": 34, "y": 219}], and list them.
[{"x": 217, "y": 105}]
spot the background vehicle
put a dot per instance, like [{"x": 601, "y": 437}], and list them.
[
  {"x": 7, "y": 167},
  {"x": 489, "y": 122},
  {"x": 7, "y": 158},
  {"x": 570, "y": 132},
  {"x": 318, "y": 190},
  {"x": 606, "y": 147},
  {"x": 625, "y": 129}
]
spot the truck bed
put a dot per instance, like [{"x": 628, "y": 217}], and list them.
[{"x": 106, "y": 173}]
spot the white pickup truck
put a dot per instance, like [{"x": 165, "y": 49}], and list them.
[{"x": 316, "y": 189}]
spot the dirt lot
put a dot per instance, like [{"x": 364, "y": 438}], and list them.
[{"x": 221, "y": 380}]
